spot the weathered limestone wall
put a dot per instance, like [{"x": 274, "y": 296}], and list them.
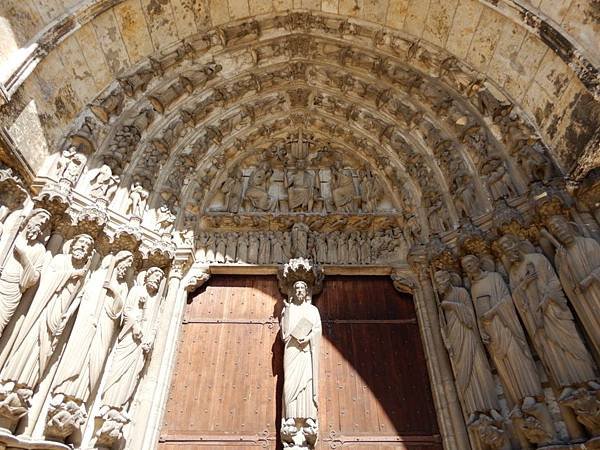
[{"x": 496, "y": 40}]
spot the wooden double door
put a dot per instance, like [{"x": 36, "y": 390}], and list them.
[{"x": 227, "y": 384}]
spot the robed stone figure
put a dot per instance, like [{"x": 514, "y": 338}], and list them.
[
  {"x": 461, "y": 335},
  {"x": 102, "y": 302},
  {"x": 543, "y": 308},
  {"x": 23, "y": 263},
  {"x": 51, "y": 308},
  {"x": 134, "y": 341},
  {"x": 301, "y": 333},
  {"x": 578, "y": 264},
  {"x": 501, "y": 331}
]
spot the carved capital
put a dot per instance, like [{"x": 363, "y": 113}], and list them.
[
  {"x": 404, "y": 282},
  {"x": 196, "y": 280}
]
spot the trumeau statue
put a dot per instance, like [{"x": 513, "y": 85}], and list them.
[
  {"x": 543, "y": 308},
  {"x": 22, "y": 266},
  {"x": 472, "y": 371},
  {"x": 301, "y": 333},
  {"x": 54, "y": 303},
  {"x": 102, "y": 302},
  {"x": 578, "y": 264}
]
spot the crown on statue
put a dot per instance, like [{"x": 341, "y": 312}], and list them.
[{"x": 300, "y": 269}]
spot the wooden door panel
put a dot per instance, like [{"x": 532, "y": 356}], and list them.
[{"x": 226, "y": 388}]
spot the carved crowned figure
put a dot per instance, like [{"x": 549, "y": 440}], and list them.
[
  {"x": 102, "y": 303},
  {"x": 543, "y": 308},
  {"x": 301, "y": 333},
  {"x": 54, "y": 303}
]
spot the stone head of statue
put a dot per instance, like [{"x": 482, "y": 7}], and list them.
[
  {"x": 38, "y": 223},
  {"x": 123, "y": 262},
  {"x": 560, "y": 227},
  {"x": 442, "y": 281},
  {"x": 81, "y": 247},
  {"x": 300, "y": 292},
  {"x": 154, "y": 277},
  {"x": 509, "y": 245},
  {"x": 470, "y": 264}
]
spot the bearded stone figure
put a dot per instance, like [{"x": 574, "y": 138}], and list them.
[
  {"x": 54, "y": 303},
  {"x": 301, "y": 333},
  {"x": 135, "y": 340},
  {"x": 543, "y": 308},
  {"x": 22, "y": 266},
  {"x": 501, "y": 331},
  {"x": 132, "y": 348},
  {"x": 578, "y": 264},
  {"x": 102, "y": 303},
  {"x": 471, "y": 368},
  {"x": 503, "y": 336}
]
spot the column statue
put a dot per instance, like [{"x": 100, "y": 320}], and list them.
[
  {"x": 578, "y": 265},
  {"x": 23, "y": 265},
  {"x": 505, "y": 340},
  {"x": 543, "y": 308},
  {"x": 472, "y": 372},
  {"x": 301, "y": 333},
  {"x": 55, "y": 301},
  {"x": 130, "y": 354},
  {"x": 99, "y": 315}
]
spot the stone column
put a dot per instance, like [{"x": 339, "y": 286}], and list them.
[
  {"x": 445, "y": 397},
  {"x": 152, "y": 394}
]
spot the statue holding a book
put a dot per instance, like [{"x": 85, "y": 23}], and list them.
[{"x": 301, "y": 333}]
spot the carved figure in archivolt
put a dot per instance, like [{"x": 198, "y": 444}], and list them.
[
  {"x": 22, "y": 266},
  {"x": 301, "y": 333},
  {"x": 343, "y": 191},
  {"x": 54, "y": 303},
  {"x": 543, "y": 308},
  {"x": 138, "y": 196},
  {"x": 461, "y": 335},
  {"x": 135, "y": 340},
  {"x": 70, "y": 164},
  {"x": 577, "y": 260},
  {"x": 104, "y": 184},
  {"x": 165, "y": 219},
  {"x": 501, "y": 331},
  {"x": 257, "y": 196},
  {"x": 101, "y": 305}
]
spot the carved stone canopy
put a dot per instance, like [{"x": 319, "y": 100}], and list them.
[{"x": 300, "y": 269}]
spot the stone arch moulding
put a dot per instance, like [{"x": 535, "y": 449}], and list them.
[{"x": 289, "y": 134}]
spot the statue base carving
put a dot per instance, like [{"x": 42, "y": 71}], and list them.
[
  {"x": 298, "y": 434},
  {"x": 14, "y": 404},
  {"x": 585, "y": 403},
  {"x": 109, "y": 424},
  {"x": 533, "y": 422},
  {"x": 65, "y": 416},
  {"x": 8, "y": 440},
  {"x": 489, "y": 430}
]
